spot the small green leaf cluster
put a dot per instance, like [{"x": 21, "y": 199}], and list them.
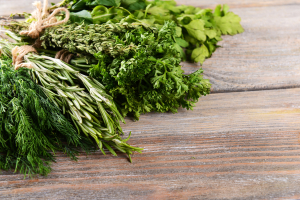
[
  {"x": 198, "y": 30},
  {"x": 31, "y": 126},
  {"x": 140, "y": 66}
]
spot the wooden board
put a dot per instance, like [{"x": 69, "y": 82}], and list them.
[{"x": 233, "y": 145}]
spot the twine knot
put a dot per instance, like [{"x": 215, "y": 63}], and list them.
[
  {"x": 36, "y": 27},
  {"x": 64, "y": 55},
  {"x": 18, "y": 54}
]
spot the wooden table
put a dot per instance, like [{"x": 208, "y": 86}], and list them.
[{"x": 240, "y": 142}]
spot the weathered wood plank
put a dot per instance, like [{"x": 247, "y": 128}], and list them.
[{"x": 242, "y": 145}]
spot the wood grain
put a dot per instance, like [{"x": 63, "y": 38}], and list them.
[
  {"x": 234, "y": 145},
  {"x": 242, "y": 145}
]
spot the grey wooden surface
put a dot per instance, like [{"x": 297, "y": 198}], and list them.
[
  {"x": 235, "y": 144},
  {"x": 240, "y": 145}
]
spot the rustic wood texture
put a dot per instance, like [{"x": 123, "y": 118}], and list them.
[{"x": 233, "y": 145}]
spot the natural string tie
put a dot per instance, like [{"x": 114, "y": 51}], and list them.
[
  {"x": 36, "y": 27},
  {"x": 18, "y": 54}
]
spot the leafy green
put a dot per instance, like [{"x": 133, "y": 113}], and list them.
[
  {"x": 181, "y": 42},
  {"x": 199, "y": 54},
  {"x": 81, "y": 16},
  {"x": 196, "y": 29},
  {"x": 229, "y": 24},
  {"x": 80, "y": 5},
  {"x": 105, "y": 3}
]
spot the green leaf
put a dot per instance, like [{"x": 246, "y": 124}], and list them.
[
  {"x": 100, "y": 14},
  {"x": 133, "y": 5},
  {"x": 196, "y": 29},
  {"x": 180, "y": 50},
  {"x": 110, "y": 149},
  {"x": 211, "y": 33},
  {"x": 105, "y": 3},
  {"x": 225, "y": 9},
  {"x": 81, "y": 16},
  {"x": 178, "y": 31},
  {"x": 229, "y": 24},
  {"x": 182, "y": 42},
  {"x": 99, "y": 10},
  {"x": 199, "y": 54},
  {"x": 80, "y": 5},
  {"x": 185, "y": 20},
  {"x": 136, "y": 6},
  {"x": 158, "y": 11},
  {"x": 218, "y": 11}
]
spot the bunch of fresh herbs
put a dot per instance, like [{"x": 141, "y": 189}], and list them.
[
  {"x": 81, "y": 98},
  {"x": 138, "y": 65},
  {"x": 198, "y": 31},
  {"x": 128, "y": 55}
]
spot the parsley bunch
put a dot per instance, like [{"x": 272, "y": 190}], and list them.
[{"x": 140, "y": 66}]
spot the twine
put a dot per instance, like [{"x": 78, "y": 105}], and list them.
[
  {"x": 36, "y": 27},
  {"x": 34, "y": 31},
  {"x": 18, "y": 54},
  {"x": 64, "y": 55}
]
